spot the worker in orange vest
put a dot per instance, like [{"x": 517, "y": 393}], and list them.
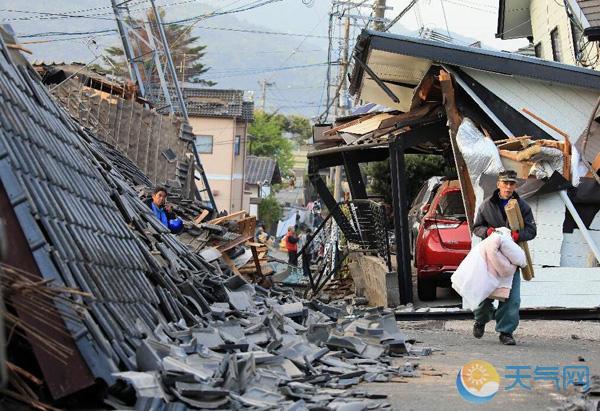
[{"x": 291, "y": 244}]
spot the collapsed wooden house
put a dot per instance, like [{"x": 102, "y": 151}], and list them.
[{"x": 484, "y": 111}]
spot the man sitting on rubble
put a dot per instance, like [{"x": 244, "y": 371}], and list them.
[
  {"x": 491, "y": 215},
  {"x": 158, "y": 205}
]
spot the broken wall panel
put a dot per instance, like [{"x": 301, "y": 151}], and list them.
[
  {"x": 575, "y": 251},
  {"x": 549, "y": 214},
  {"x": 139, "y": 133},
  {"x": 562, "y": 287}
]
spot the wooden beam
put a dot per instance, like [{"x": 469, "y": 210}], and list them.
[
  {"x": 454, "y": 121},
  {"x": 228, "y": 217},
  {"x": 566, "y": 146},
  {"x": 231, "y": 264}
]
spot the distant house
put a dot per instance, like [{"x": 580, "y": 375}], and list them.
[
  {"x": 557, "y": 30},
  {"x": 219, "y": 120},
  {"x": 261, "y": 174}
]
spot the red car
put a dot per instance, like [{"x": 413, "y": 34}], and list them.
[{"x": 443, "y": 242}]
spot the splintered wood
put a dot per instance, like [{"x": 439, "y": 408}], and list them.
[{"x": 515, "y": 221}]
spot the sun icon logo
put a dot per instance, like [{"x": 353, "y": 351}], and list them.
[{"x": 477, "y": 381}]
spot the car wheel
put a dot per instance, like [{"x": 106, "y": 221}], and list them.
[{"x": 426, "y": 289}]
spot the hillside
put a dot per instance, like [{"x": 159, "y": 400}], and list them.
[{"x": 237, "y": 54}]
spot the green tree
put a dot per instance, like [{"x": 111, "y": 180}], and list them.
[
  {"x": 300, "y": 128},
  {"x": 419, "y": 168},
  {"x": 269, "y": 212},
  {"x": 186, "y": 52},
  {"x": 266, "y": 139}
]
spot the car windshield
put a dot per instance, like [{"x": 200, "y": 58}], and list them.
[{"x": 451, "y": 205}]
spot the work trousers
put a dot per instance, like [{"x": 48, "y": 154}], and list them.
[{"x": 507, "y": 313}]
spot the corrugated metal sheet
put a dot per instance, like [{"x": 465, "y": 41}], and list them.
[{"x": 566, "y": 107}]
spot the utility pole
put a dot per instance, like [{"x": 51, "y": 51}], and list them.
[
  {"x": 379, "y": 13},
  {"x": 264, "y": 84},
  {"x": 341, "y": 108}
]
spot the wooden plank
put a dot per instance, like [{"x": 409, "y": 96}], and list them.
[
  {"x": 201, "y": 217},
  {"x": 454, "y": 120},
  {"x": 231, "y": 264},
  {"x": 256, "y": 260},
  {"x": 334, "y": 130},
  {"x": 515, "y": 221},
  {"x": 228, "y": 217},
  {"x": 233, "y": 243}
]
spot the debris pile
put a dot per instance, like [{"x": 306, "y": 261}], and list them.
[{"x": 140, "y": 308}]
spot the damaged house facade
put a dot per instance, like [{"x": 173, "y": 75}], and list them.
[
  {"x": 219, "y": 121},
  {"x": 483, "y": 111}
]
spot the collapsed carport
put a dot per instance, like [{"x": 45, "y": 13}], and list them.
[{"x": 434, "y": 86}]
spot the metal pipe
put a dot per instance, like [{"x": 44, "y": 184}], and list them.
[
  {"x": 584, "y": 231},
  {"x": 170, "y": 64}
]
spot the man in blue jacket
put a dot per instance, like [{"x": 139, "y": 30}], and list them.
[
  {"x": 491, "y": 215},
  {"x": 163, "y": 212}
]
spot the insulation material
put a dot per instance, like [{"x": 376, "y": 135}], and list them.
[
  {"x": 482, "y": 159},
  {"x": 562, "y": 287},
  {"x": 549, "y": 214},
  {"x": 547, "y": 160},
  {"x": 575, "y": 251}
]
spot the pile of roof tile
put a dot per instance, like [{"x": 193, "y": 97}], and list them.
[{"x": 182, "y": 330}]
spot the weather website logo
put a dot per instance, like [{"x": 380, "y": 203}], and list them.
[{"x": 477, "y": 381}]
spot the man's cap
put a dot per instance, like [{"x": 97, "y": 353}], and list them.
[{"x": 508, "y": 175}]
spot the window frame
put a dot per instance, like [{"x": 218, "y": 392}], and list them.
[
  {"x": 237, "y": 145},
  {"x": 555, "y": 44}
]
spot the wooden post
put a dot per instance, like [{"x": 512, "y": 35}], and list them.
[{"x": 454, "y": 121}]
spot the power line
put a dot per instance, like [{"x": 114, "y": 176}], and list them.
[{"x": 265, "y": 32}]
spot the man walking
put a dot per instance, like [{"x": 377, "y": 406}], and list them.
[{"x": 491, "y": 215}]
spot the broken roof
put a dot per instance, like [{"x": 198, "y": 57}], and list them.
[
  {"x": 591, "y": 11},
  {"x": 260, "y": 170},
  {"x": 494, "y": 80},
  {"x": 210, "y": 102},
  {"x": 401, "y": 62}
]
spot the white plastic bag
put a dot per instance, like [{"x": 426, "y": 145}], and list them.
[{"x": 472, "y": 279}]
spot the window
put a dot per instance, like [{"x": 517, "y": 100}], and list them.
[
  {"x": 538, "y": 50},
  {"x": 204, "y": 144},
  {"x": 451, "y": 205},
  {"x": 555, "y": 45},
  {"x": 236, "y": 145}
]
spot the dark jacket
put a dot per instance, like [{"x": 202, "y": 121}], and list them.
[{"x": 491, "y": 214}]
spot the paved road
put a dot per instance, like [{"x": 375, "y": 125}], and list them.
[{"x": 551, "y": 346}]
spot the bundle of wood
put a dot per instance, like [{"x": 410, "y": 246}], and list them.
[{"x": 515, "y": 220}]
